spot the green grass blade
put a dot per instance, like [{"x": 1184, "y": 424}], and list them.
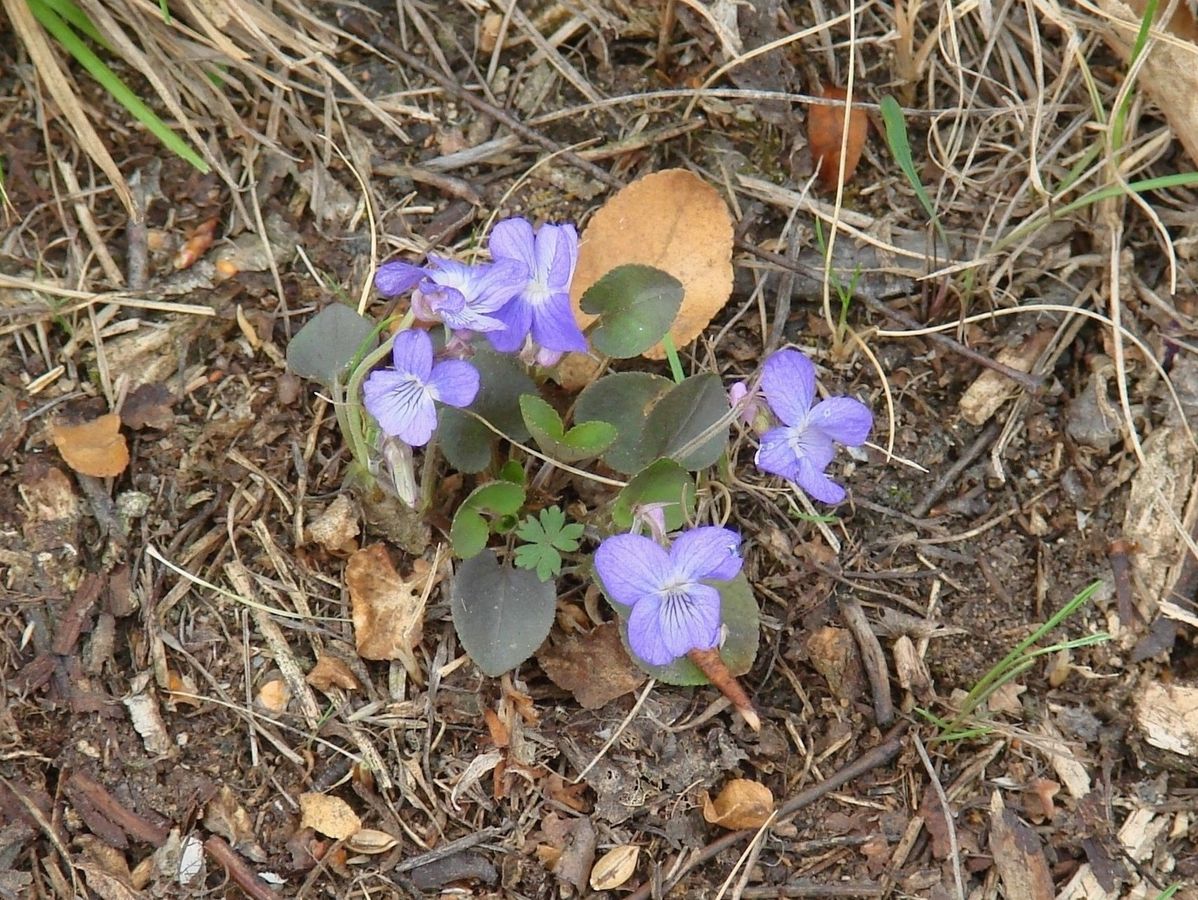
[
  {"x": 1120, "y": 120},
  {"x": 1179, "y": 179},
  {"x": 900, "y": 149},
  {"x": 109, "y": 80},
  {"x": 78, "y": 19}
]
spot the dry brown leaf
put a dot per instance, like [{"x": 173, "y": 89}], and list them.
[
  {"x": 95, "y": 448},
  {"x": 741, "y": 804},
  {"x": 336, "y": 529},
  {"x": 672, "y": 220},
  {"x": 228, "y": 818},
  {"x": 614, "y": 867},
  {"x": 825, "y": 129},
  {"x": 328, "y": 815},
  {"x": 594, "y": 667},
  {"x": 388, "y": 610},
  {"x": 330, "y": 672}
]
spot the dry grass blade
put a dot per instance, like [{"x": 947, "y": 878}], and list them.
[{"x": 65, "y": 95}]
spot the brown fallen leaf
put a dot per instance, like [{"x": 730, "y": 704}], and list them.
[
  {"x": 149, "y": 405},
  {"x": 95, "y": 448},
  {"x": 330, "y": 672},
  {"x": 825, "y": 130},
  {"x": 336, "y": 529},
  {"x": 594, "y": 667},
  {"x": 741, "y": 804},
  {"x": 672, "y": 220},
  {"x": 328, "y": 815},
  {"x": 388, "y": 610},
  {"x": 225, "y": 816}
]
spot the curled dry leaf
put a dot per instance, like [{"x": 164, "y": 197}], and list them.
[
  {"x": 388, "y": 610},
  {"x": 328, "y": 815},
  {"x": 825, "y": 130},
  {"x": 614, "y": 867},
  {"x": 674, "y": 221},
  {"x": 197, "y": 244},
  {"x": 741, "y": 804},
  {"x": 371, "y": 841},
  {"x": 95, "y": 448}
]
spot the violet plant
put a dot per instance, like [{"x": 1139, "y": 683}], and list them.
[{"x": 469, "y": 388}]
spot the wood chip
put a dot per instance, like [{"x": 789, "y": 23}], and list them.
[{"x": 1018, "y": 855}]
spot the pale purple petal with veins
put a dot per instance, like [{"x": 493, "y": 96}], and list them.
[
  {"x": 395, "y": 278},
  {"x": 401, "y": 399},
  {"x": 673, "y": 611},
  {"x": 707, "y": 553},
  {"x": 662, "y": 628},
  {"x": 541, "y": 306},
  {"x": 788, "y": 383},
  {"x": 631, "y": 567},
  {"x": 454, "y": 382},
  {"x": 843, "y": 419},
  {"x": 412, "y": 353},
  {"x": 802, "y": 448}
]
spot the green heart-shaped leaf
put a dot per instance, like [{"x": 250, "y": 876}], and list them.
[
  {"x": 501, "y": 614},
  {"x": 329, "y": 342},
  {"x": 583, "y": 441},
  {"x": 636, "y": 306},
  {"x": 624, "y": 400},
  {"x": 691, "y": 409},
  {"x": 663, "y": 481}
]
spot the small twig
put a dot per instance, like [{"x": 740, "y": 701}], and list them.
[
  {"x": 1032, "y": 383},
  {"x": 950, "y": 825},
  {"x": 247, "y": 879},
  {"x": 953, "y": 472},
  {"x": 1118, "y": 553},
  {"x": 807, "y": 888},
  {"x": 872, "y": 658},
  {"x": 448, "y": 849},
  {"x": 878, "y": 756},
  {"x": 137, "y": 827}
]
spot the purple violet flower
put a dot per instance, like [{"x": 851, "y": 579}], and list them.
[
  {"x": 673, "y": 611},
  {"x": 541, "y": 305},
  {"x": 463, "y": 297},
  {"x": 801, "y": 448},
  {"x": 401, "y": 399}
]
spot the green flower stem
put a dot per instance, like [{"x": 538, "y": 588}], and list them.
[
  {"x": 672, "y": 355},
  {"x": 351, "y": 417}
]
